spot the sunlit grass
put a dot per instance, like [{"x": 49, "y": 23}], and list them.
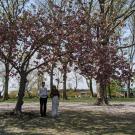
[
  {"x": 69, "y": 123},
  {"x": 70, "y": 99}
]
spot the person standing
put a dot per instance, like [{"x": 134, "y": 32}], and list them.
[
  {"x": 55, "y": 101},
  {"x": 43, "y": 99}
]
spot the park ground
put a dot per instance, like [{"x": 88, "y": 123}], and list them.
[{"x": 76, "y": 118}]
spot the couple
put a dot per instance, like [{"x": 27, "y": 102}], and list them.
[{"x": 43, "y": 94}]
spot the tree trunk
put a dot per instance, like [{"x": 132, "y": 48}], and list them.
[
  {"x": 6, "y": 83},
  {"x": 64, "y": 82},
  {"x": 58, "y": 82},
  {"x": 109, "y": 91},
  {"x": 21, "y": 93},
  {"x": 76, "y": 82},
  {"x": 91, "y": 88},
  {"x": 39, "y": 80},
  {"x": 101, "y": 33},
  {"x": 128, "y": 88},
  {"x": 51, "y": 76},
  {"x": 102, "y": 95},
  {"x": 89, "y": 84}
]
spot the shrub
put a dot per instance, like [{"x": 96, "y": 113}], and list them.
[{"x": 13, "y": 94}]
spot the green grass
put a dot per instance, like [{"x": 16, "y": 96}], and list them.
[
  {"x": 123, "y": 99},
  {"x": 71, "y": 99},
  {"x": 82, "y": 99},
  {"x": 69, "y": 123},
  {"x": 26, "y": 99}
]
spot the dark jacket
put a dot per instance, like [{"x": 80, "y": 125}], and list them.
[{"x": 54, "y": 93}]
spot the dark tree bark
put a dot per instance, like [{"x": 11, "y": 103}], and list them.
[
  {"x": 91, "y": 88},
  {"x": 6, "y": 83},
  {"x": 89, "y": 84},
  {"x": 128, "y": 89},
  {"x": 76, "y": 82},
  {"x": 58, "y": 82},
  {"x": 51, "y": 76},
  {"x": 40, "y": 79},
  {"x": 102, "y": 95},
  {"x": 109, "y": 91},
  {"x": 64, "y": 82},
  {"x": 21, "y": 93}
]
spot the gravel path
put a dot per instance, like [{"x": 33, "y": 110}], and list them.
[{"x": 114, "y": 108}]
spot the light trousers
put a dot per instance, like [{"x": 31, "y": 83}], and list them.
[{"x": 55, "y": 105}]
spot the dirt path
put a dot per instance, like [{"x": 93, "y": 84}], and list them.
[{"x": 115, "y": 108}]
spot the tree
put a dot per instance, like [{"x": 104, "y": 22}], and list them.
[
  {"x": 64, "y": 81},
  {"x": 10, "y": 9},
  {"x": 40, "y": 78},
  {"x": 75, "y": 77},
  {"x": 31, "y": 41},
  {"x": 58, "y": 75},
  {"x": 58, "y": 13},
  {"x": 98, "y": 56},
  {"x": 88, "y": 31},
  {"x": 89, "y": 84},
  {"x": 130, "y": 53}
]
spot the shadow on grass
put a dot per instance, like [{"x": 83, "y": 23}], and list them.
[{"x": 81, "y": 123}]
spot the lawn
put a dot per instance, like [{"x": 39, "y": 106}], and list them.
[
  {"x": 69, "y": 123},
  {"x": 36, "y": 99},
  {"x": 75, "y": 119},
  {"x": 71, "y": 99}
]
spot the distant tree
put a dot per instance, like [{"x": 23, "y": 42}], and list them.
[
  {"x": 90, "y": 86},
  {"x": 75, "y": 77},
  {"x": 40, "y": 78},
  {"x": 58, "y": 75}
]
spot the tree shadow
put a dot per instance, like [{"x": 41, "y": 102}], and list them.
[
  {"x": 121, "y": 105},
  {"x": 82, "y": 122}
]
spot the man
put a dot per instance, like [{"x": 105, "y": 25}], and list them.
[{"x": 43, "y": 99}]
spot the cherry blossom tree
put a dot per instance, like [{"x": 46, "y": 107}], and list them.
[
  {"x": 94, "y": 40},
  {"x": 129, "y": 52},
  {"x": 59, "y": 15},
  {"x": 10, "y": 9},
  {"x": 31, "y": 41}
]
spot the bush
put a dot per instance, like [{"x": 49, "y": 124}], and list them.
[
  {"x": 32, "y": 93},
  {"x": 77, "y": 94},
  {"x": 13, "y": 94},
  {"x": 115, "y": 87}
]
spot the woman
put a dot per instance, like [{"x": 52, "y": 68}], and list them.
[{"x": 55, "y": 101}]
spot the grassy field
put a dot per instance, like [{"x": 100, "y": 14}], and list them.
[
  {"x": 69, "y": 123},
  {"x": 71, "y": 99},
  {"x": 72, "y": 121}
]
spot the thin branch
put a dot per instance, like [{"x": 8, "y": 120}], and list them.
[{"x": 123, "y": 47}]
